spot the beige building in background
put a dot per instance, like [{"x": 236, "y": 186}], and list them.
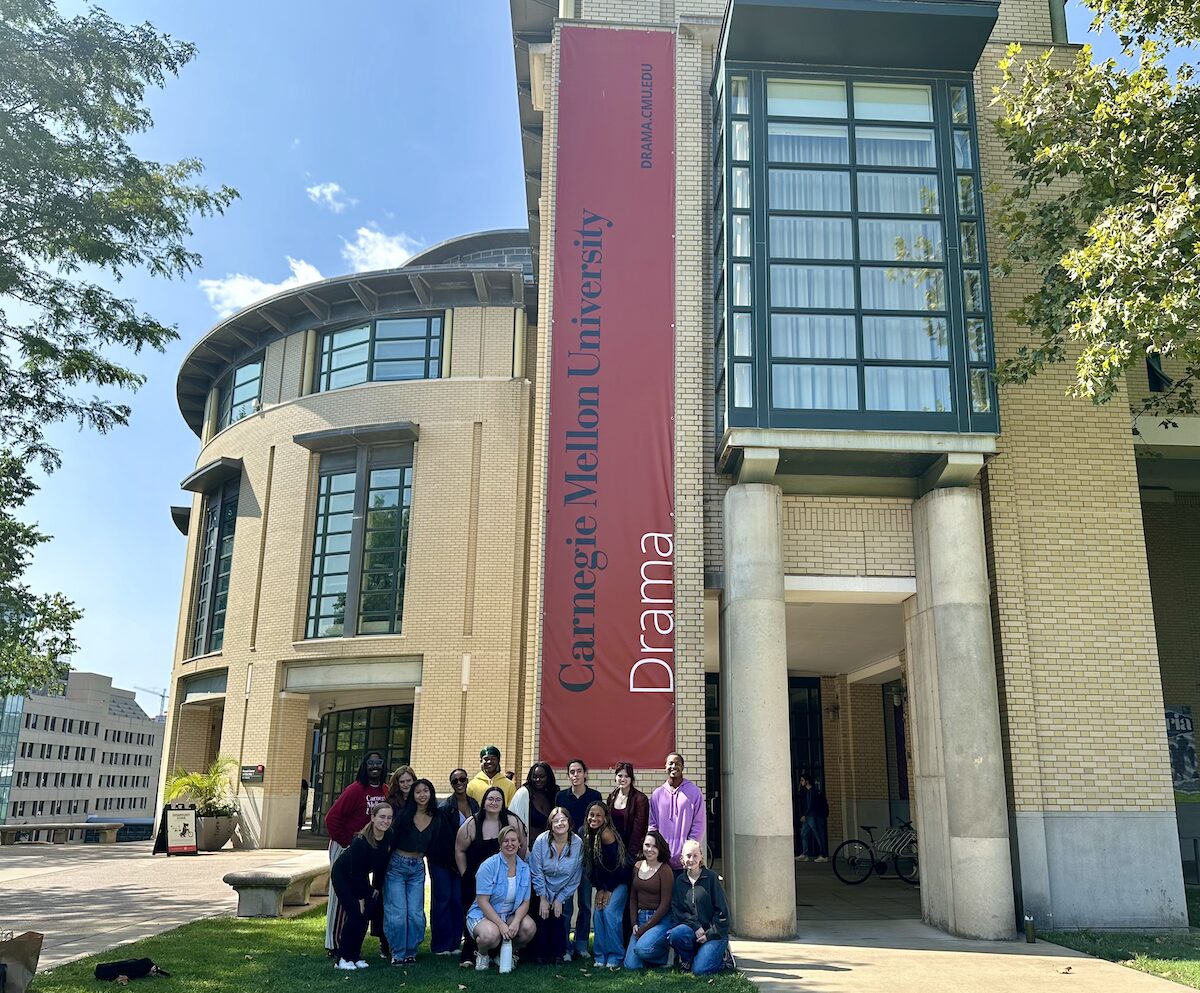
[{"x": 945, "y": 602}]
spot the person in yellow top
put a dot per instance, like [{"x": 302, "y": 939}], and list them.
[{"x": 489, "y": 774}]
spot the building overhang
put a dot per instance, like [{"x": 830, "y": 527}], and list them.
[
  {"x": 333, "y": 439},
  {"x": 945, "y": 35},
  {"x": 209, "y": 477},
  {"x": 325, "y": 675}
]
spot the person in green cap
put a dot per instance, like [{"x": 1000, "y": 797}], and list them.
[{"x": 489, "y": 774}]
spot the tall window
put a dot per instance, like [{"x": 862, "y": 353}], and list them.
[
  {"x": 382, "y": 350},
  {"x": 851, "y": 289},
  {"x": 216, "y": 561},
  {"x": 239, "y": 393},
  {"x": 360, "y": 544}
]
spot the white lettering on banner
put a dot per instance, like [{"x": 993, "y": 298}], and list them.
[{"x": 656, "y": 621}]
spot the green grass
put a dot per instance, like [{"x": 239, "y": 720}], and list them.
[{"x": 238, "y": 955}]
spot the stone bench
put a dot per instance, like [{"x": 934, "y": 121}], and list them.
[
  {"x": 60, "y": 834},
  {"x": 265, "y": 891}
]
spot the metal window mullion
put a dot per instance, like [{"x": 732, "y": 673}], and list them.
[
  {"x": 358, "y": 529},
  {"x": 944, "y": 144},
  {"x": 760, "y": 303}
]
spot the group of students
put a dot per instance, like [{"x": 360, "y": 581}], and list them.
[{"x": 511, "y": 867}]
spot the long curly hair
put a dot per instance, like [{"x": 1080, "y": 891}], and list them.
[{"x": 593, "y": 843}]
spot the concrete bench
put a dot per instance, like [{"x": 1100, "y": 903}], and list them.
[
  {"x": 60, "y": 834},
  {"x": 265, "y": 891}
]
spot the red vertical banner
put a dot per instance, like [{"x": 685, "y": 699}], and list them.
[{"x": 608, "y": 611}]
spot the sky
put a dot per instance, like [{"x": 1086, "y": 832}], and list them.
[{"x": 354, "y": 141}]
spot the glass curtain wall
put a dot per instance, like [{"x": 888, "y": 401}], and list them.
[{"x": 10, "y": 730}]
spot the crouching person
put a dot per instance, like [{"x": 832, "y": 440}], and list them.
[
  {"x": 500, "y": 912},
  {"x": 700, "y": 935}
]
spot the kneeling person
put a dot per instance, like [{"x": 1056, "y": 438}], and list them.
[
  {"x": 501, "y": 909},
  {"x": 700, "y": 935}
]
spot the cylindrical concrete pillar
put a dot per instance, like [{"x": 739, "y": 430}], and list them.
[
  {"x": 755, "y": 716},
  {"x": 962, "y": 814}
]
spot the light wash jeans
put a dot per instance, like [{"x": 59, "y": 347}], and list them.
[
  {"x": 404, "y": 905},
  {"x": 608, "y": 948},
  {"x": 650, "y": 947}
]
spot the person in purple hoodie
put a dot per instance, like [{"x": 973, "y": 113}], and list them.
[{"x": 677, "y": 810}]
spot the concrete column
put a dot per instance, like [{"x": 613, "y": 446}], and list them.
[
  {"x": 961, "y": 809},
  {"x": 756, "y": 714}
]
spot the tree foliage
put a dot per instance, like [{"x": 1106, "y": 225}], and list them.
[
  {"x": 78, "y": 211},
  {"x": 1106, "y": 206}
]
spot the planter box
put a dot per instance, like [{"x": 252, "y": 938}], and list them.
[{"x": 213, "y": 833}]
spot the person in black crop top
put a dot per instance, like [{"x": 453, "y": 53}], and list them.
[
  {"x": 607, "y": 867},
  {"x": 355, "y": 878},
  {"x": 414, "y": 833}
]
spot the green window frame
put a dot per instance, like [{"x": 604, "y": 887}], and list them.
[
  {"x": 850, "y": 280},
  {"x": 239, "y": 393},
  {"x": 388, "y": 349},
  {"x": 360, "y": 543},
  {"x": 214, "y": 569}
]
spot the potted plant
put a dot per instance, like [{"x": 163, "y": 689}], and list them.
[{"x": 212, "y": 793}]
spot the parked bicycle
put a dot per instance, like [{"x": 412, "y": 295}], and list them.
[{"x": 856, "y": 859}]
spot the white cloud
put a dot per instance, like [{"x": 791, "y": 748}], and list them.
[
  {"x": 237, "y": 290},
  {"x": 330, "y": 195},
  {"x": 372, "y": 249}
]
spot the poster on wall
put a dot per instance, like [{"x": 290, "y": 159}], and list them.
[
  {"x": 1181, "y": 741},
  {"x": 608, "y": 610}
]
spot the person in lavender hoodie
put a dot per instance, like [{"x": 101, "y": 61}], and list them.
[{"x": 677, "y": 810}]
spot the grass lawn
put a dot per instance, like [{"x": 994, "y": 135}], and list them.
[
  {"x": 238, "y": 955},
  {"x": 1171, "y": 956}
]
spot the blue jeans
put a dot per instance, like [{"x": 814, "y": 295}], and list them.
[
  {"x": 609, "y": 946},
  {"x": 404, "y": 905},
  {"x": 812, "y": 837},
  {"x": 650, "y": 946},
  {"x": 446, "y": 909},
  {"x": 583, "y": 923},
  {"x": 705, "y": 958}
]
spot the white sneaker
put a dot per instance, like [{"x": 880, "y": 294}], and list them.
[
  {"x": 362, "y": 964},
  {"x": 566, "y": 956},
  {"x": 801, "y": 858},
  {"x": 820, "y": 858},
  {"x": 481, "y": 962},
  {"x": 348, "y": 966}
]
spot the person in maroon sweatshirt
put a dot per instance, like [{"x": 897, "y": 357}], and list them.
[{"x": 349, "y": 814}]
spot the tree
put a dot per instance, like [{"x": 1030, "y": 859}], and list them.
[
  {"x": 1106, "y": 206},
  {"x": 78, "y": 209}
]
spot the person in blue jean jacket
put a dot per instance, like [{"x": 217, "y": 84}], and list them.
[
  {"x": 501, "y": 909},
  {"x": 700, "y": 936},
  {"x": 415, "y": 831},
  {"x": 650, "y": 904},
  {"x": 556, "y": 865}
]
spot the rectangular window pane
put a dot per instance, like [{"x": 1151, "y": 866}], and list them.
[
  {"x": 741, "y": 234},
  {"x": 921, "y": 339},
  {"x": 963, "y": 159},
  {"x": 381, "y": 599},
  {"x": 741, "y": 284},
  {"x": 977, "y": 340},
  {"x": 399, "y": 348},
  {"x": 972, "y": 290},
  {"x": 981, "y": 395},
  {"x": 812, "y": 286},
  {"x": 897, "y": 288},
  {"x": 814, "y": 387},
  {"x": 742, "y": 336},
  {"x": 350, "y": 336},
  {"x": 740, "y": 141},
  {"x": 409, "y": 327},
  {"x": 331, "y": 563},
  {"x": 805, "y": 189},
  {"x": 347, "y": 377},
  {"x": 822, "y": 144},
  {"x": 966, "y": 194},
  {"x": 739, "y": 95},
  {"x": 893, "y": 102},
  {"x": 969, "y": 239},
  {"x": 387, "y": 371},
  {"x": 959, "y": 111},
  {"x": 743, "y": 385},
  {"x": 913, "y": 389},
  {"x": 805, "y": 98},
  {"x": 813, "y": 336},
  {"x": 741, "y": 188},
  {"x": 811, "y": 238},
  {"x": 908, "y": 147},
  {"x": 897, "y": 193},
  {"x": 897, "y": 241}
]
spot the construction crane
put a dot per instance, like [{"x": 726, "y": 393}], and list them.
[{"x": 161, "y": 694}]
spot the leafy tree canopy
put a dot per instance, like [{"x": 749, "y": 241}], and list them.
[
  {"x": 1107, "y": 204},
  {"x": 78, "y": 210}
]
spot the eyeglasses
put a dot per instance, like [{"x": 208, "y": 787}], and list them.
[{"x": 458, "y": 780}]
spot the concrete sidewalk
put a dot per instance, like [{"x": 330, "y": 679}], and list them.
[
  {"x": 909, "y": 957},
  {"x": 90, "y": 898}
]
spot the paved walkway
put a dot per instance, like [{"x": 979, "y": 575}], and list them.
[{"x": 89, "y": 898}]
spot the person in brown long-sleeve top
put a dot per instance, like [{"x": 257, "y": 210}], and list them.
[{"x": 650, "y": 904}]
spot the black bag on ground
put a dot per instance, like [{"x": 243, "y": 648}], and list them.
[{"x": 130, "y": 968}]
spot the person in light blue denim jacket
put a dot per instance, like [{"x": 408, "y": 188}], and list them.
[
  {"x": 556, "y": 865},
  {"x": 501, "y": 909}
]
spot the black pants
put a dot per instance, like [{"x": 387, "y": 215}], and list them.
[{"x": 354, "y": 927}]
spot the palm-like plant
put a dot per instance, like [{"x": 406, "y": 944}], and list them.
[{"x": 210, "y": 791}]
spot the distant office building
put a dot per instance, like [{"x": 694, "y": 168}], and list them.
[{"x": 88, "y": 751}]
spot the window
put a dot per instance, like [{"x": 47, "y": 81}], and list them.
[
  {"x": 216, "y": 561},
  {"x": 360, "y": 543},
  {"x": 382, "y": 350},
  {"x": 239, "y": 393}
]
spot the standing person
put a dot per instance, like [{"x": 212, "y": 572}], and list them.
[
  {"x": 416, "y": 830},
  {"x": 677, "y": 810},
  {"x": 607, "y": 868},
  {"x": 446, "y": 907},
  {"x": 576, "y": 799},
  {"x": 356, "y": 877},
  {"x": 489, "y": 774},
  {"x": 650, "y": 904},
  {"x": 535, "y": 799},
  {"x": 556, "y": 866},
  {"x": 814, "y": 816},
  {"x": 630, "y": 808},
  {"x": 399, "y": 785},
  {"x": 500, "y": 910},
  {"x": 700, "y": 935},
  {"x": 350, "y": 813},
  {"x": 478, "y": 840}
]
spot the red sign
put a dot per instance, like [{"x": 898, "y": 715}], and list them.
[{"x": 608, "y": 622}]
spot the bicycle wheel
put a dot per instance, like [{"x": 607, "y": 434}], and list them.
[
  {"x": 853, "y": 862},
  {"x": 905, "y": 863}
]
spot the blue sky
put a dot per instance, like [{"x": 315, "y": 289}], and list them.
[{"x": 353, "y": 140}]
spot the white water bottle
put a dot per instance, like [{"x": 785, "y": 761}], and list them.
[{"x": 506, "y": 956}]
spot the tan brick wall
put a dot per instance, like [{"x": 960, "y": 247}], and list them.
[{"x": 847, "y": 536}]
